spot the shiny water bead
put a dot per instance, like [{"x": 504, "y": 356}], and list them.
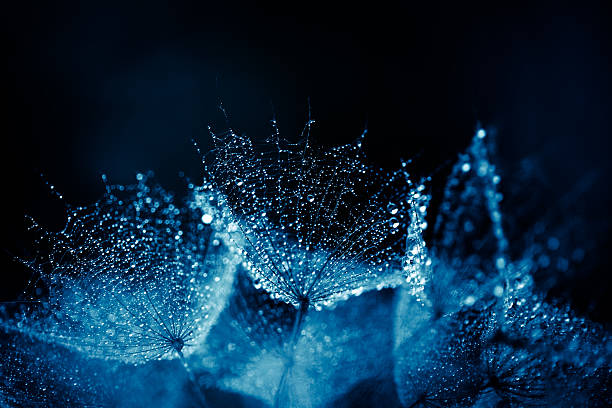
[{"x": 207, "y": 218}]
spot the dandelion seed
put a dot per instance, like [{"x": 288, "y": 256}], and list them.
[
  {"x": 469, "y": 247},
  {"x": 128, "y": 274},
  {"x": 132, "y": 278},
  {"x": 315, "y": 225}
]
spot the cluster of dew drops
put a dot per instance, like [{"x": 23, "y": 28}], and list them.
[{"x": 289, "y": 230}]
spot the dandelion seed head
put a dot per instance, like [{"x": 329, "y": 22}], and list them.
[
  {"x": 316, "y": 224},
  {"x": 129, "y": 276}
]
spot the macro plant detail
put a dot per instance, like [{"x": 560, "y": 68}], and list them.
[
  {"x": 315, "y": 226},
  {"x": 132, "y": 278},
  {"x": 338, "y": 348},
  {"x": 469, "y": 241},
  {"x": 297, "y": 276},
  {"x": 483, "y": 334},
  {"x": 276, "y": 205}
]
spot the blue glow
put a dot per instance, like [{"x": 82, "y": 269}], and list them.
[{"x": 292, "y": 276}]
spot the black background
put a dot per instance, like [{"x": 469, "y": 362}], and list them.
[{"x": 121, "y": 88}]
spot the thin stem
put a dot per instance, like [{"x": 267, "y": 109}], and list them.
[
  {"x": 192, "y": 379},
  {"x": 281, "y": 391}
]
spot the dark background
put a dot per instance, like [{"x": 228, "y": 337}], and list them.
[{"x": 123, "y": 88}]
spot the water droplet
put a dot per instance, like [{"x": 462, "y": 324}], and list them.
[
  {"x": 392, "y": 208},
  {"x": 394, "y": 222}
]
